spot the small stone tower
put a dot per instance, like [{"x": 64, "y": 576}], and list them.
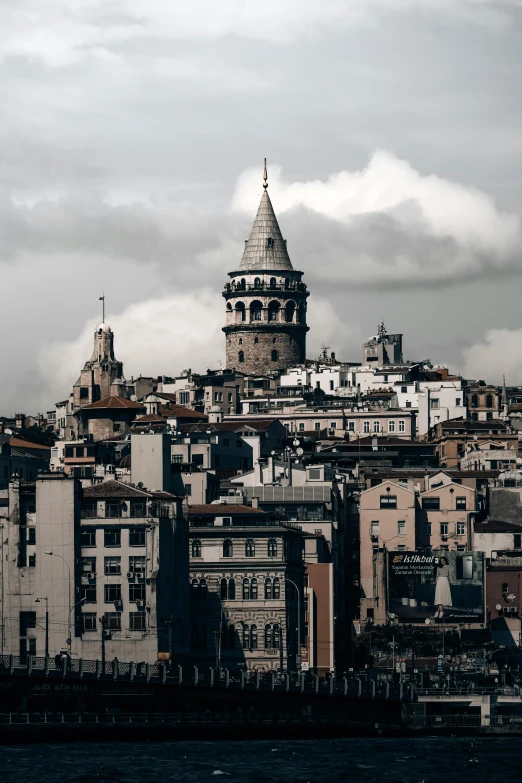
[
  {"x": 100, "y": 372},
  {"x": 265, "y": 301}
]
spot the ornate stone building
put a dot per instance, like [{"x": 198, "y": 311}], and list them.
[
  {"x": 265, "y": 301},
  {"x": 102, "y": 375}
]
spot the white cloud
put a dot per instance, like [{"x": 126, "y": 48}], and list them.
[
  {"x": 389, "y": 223},
  {"x": 155, "y": 337},
  {"x": 164, "y": 336},
  {"x": 499, "y": 353},
  {"x": 62, "y": 32}
]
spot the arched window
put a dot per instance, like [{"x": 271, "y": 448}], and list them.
[
  {"x": 256, "y": 340},
  {"x": 257, "y": 282},
  {"x": 272, "y": 547},
  {"x": 286, "y": 283},
  {"x": 223, "y": 589},
  {"x": 274, "y": 340},
  {"x": 242, "y": 283},
  {"x": 276, "y": 631},
  {"x": 268, "y": 589},
  {"x": 229, "y": 307},
  {"x": 253, "y": 589},
  {"x": 246, "y": 637},
  {"x": 275, "y": 356},
  {"x": 232, "y": 589},
  {"x": 203, "y": 590},
  {"x": 474, "y": 401},
  {"x": 246, "y": 590},
  {"x": 240, "y": 341},
  {"x": 301, "y": 315},
  {"x": 273, "y": 282},
  {"x": 250, "y": 547},
  {"x": 489, "y": 401},
  {"x": 241, "y": 357},
  {"x": 256, "y": 309},
  {"x": 196, "y": 548},
  {"x": 289, "y": 311},
  {"x": 273, "y": 311},
  {"x": 270, "y": 243},
  {"x": 240, "y": 312},
  {"x": 269, "y": 639},
  {"x": 276, "y": 591},
  {"x": 253, "y": 637},
  {"x": 227, "y": 548},
  {"x": 195, "y": 586}
]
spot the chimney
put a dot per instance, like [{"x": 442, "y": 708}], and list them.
[{"x": 255, "y": 502}]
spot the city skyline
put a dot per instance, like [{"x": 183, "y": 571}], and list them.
[{"x": 133, "y": 168}]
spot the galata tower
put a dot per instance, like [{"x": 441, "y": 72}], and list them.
[{"x": 265, "y": 301}]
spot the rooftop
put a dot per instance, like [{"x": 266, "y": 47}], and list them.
[
  {"x": 265, "y": 248},
  {"x": 118, "y": 489},
  {"x": 114, "y": 403},
  {"x": 222, "y": 509}
]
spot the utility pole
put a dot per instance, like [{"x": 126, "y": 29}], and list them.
[
  {"x": 281, "y": 647},
  {"x": 44, "y": 598},
  {"x": 169, "y": 623},
  {"x": 103, "y": 621}
]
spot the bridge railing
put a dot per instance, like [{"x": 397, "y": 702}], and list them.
[{"x": 362, "y": 686}]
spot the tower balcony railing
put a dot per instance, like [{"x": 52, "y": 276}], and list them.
[{"x": 231, "y": 288}]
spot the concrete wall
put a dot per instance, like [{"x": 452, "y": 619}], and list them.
[{"x": 152, "y": 464}]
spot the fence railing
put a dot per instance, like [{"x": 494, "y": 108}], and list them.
[{"x": 193, "y": 676}]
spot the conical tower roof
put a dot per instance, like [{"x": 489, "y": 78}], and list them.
[{"x": 265, "y": 249}]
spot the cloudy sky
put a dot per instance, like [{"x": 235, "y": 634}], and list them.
[{"x": 132, "y": 135}]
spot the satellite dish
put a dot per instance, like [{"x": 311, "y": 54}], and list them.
[
  {"x": 428, "y": 620},
  {"x": 299, "y": 452},
  {"x": 498, "y": 607}
]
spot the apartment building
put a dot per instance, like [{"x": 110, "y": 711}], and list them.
[
  {"x": 99, "y": 570},
  {"x": 247, "y": 588}
]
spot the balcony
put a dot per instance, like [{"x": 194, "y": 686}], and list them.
[{"x": 230, "y": 288}]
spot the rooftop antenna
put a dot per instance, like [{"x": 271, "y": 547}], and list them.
[
  {"x": 102, "y": 300},
  {"x": 265, "y": 177}
]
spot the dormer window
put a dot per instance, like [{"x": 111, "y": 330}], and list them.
[{"x": 269, "y": 243}]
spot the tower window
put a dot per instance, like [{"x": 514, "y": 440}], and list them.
[
  {"x": 273, "y": 339},
  {"x": 270, "y": 243},
  {"x": 256, "y": 308},
  {"x": 289, "y": 312},
  {"x": 273, "y": 310},
  {"x": 257, "y": 282},
  {"x": 273, "y": 282},
  {"x": 241, "y": 357},
  {"x": 256, "y": 340},
  {"x": 240, "y": 341},
  {"x": 241, "y": 312},
  {"x": 275, "y": 356}
]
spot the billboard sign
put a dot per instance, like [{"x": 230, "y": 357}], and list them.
[{"x": 441, "y": 585}]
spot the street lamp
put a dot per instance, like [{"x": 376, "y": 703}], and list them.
[
  {"x": 44, "y": 598},
  {"x": 69, "y": 634},
  {"x": 298, "y": 620}
]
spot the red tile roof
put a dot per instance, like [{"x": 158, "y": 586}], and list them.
[
  {"x": 114, "y": 403},
  {"x": 19, "y": 443},
  {"x": 180, "y": 412}
]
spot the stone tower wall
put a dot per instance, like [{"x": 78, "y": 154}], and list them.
[{"x": 289, "y": 343}]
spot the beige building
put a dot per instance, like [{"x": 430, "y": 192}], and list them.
[
  {"x": 387, "y": 522},
  {"x": 107, "y": 563},
  {"x": 247, "y": 571}
]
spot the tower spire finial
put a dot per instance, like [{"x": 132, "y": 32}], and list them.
[
  {"x": 102, "y": 299},
  {"x": 265, "y": 177}
]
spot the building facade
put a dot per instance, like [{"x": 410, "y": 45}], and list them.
[{"x": 246, "y": 571}]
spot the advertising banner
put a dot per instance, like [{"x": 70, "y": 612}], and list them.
[{"x": 443, "y": 586}]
